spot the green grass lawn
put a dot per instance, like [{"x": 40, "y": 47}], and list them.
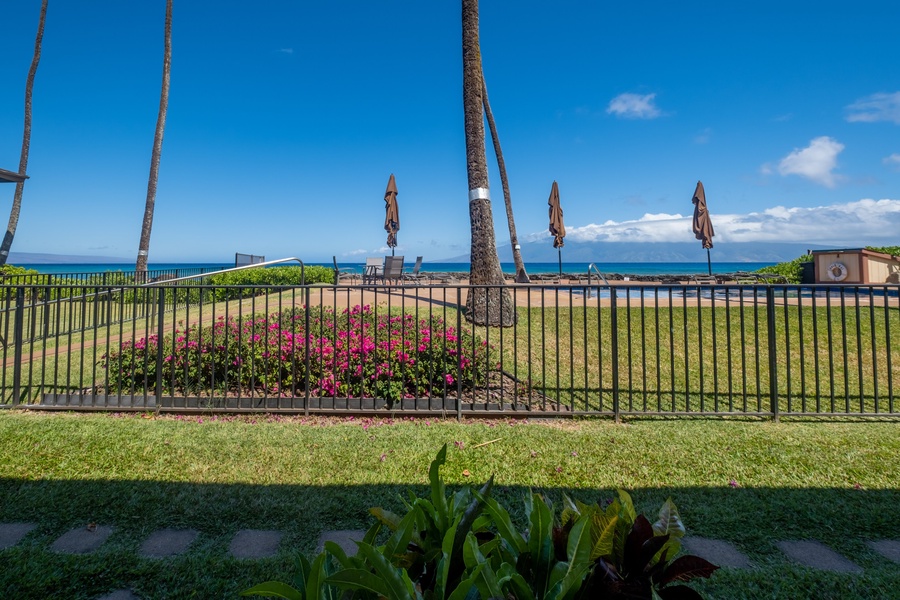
[{"x": 748, "y": 482}]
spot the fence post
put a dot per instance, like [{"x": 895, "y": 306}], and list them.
[
  {"x": 614, "y": 342},
  {"x": 160, "y": 331},
  {"x": 18, "y": 335},
  {"x": 773, "y": 364},
  {"x": 306, "y": 348},
  {"x": 459, "y": 309}
]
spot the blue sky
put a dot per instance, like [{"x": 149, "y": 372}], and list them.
[{"x": 285, "y": 121}]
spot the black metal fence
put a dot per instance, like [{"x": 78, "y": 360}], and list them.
[
  {"x": 107, "y": 278},
  {"x": 764, "y": 350}
]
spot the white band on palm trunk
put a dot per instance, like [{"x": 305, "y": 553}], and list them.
[{"x": 479, "y": 193}]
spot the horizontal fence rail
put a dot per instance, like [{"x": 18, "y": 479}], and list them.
[
  {"x": 105, "y": 278},
  {"x": 587, "y": 349}
]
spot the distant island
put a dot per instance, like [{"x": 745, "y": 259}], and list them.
[
  {"x": 31, "y": 258},
  {"x": 653, "y": 252}
]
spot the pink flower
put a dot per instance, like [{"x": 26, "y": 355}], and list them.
[{"x": 733, "y": 483}]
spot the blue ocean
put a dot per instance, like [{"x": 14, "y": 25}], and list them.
[{"x": 535, "y": 268}]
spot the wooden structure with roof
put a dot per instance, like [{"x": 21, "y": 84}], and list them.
[{"x": 855, "y": 265}]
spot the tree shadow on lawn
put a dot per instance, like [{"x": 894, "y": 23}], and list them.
[{"x": 751, "y": 518}]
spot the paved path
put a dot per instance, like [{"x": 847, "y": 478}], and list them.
[{"x": 254, "y": 544}]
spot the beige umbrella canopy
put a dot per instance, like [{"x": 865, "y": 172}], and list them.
[
  {"x": 557, "y": 227},
  {"x": 391, "y": 213},
  {"x": 703, "y": 227}
]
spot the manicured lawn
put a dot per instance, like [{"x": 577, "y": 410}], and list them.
[{"x": 748, "y": 482}]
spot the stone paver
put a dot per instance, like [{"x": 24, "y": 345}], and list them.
[
  {"x": 342, "y": 537},
  {"x": 12, "y": 533},
  {"x": 83, "y": 540},
  {"x": 119, "y": 595},
  {"x": 168, "y": 542},
  {"x": 818, "y": 556},
  {"x": 718, "y": 552},
  {"x": 255, "y": 543},
  {"x": 890, "y": 549}
]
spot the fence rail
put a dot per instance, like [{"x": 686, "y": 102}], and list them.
[{"x": 764, "y": 350}]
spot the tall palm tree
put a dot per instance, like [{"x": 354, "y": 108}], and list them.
[
  {"x": 485, "y": 306},
  {"x": 144, "y": 246},
  {"x": 26, "y": 141},
  {"x": 521, "y": 275}
]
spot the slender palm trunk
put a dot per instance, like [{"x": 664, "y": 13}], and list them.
[
  {"x": 144, "y": 246},
  {"x": 484, "y": 306},
  {"x": 521, "y": 275},
  {"x": 26, "y": 142}
]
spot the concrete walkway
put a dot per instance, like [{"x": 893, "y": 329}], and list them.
[{"x": 254, "y": 544}]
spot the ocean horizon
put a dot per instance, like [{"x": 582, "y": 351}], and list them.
[{"x": 534, "y": 268}]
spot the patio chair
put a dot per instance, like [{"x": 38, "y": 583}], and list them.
[
  {"x": 414, "y": 276},
  {"x": 393, "y": 270},
  {"x": 373, "y": 270},
  {"x": 343, "y": 273}
]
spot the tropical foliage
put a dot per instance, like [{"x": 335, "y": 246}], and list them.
[{"x": 465, "y": 545}]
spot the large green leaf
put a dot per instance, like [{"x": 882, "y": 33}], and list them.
[
  {"x": 466, "y": 586},
  {"x": 464, "y": 526},
  {"x": 359, "y": 579},
  {"x": 504, "y": 525},
  {"x": 316, "y": 588},
  {"x": 569, "y": 512},
  {"x": 341, "y": 556},
  {"x": 394, "y": 580},
  {"x": 568, "y": 576},
  {"x": 486, "y": 582},
  {"x": 669, "y": 521},
  {"x": 274, "y": 589},
  {"x": 603, "y": 533},
  {"x": 398, "y": 542},
  {"x": 438, "y": 498},
  {"x": 540, "y": 543},
  {"x": 386, "y": 517},
  {"x": 514, "y": 583},
  {"x": 372, "y": 533},
  {"x": 302, "y": 572},
  {"x": 627, "y": 506}
]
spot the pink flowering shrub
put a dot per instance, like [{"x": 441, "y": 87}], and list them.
[{"x": 353, "y": 354}]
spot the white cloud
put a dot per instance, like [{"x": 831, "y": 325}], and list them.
[
  {"x": 286, "y": 50},
  {"x": 851, "y": 224},
  {"x": 357, "y": 252},
  {"x": 815, "y": 162},
  {"x": 877, "y": 107},
  {"x": 633, "y": 106},
  {"x": 703, "y": 137},
  {"x": 892, "y": 161}
]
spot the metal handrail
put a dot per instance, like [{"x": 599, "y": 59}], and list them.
[
  {"x": 261, "y": 264},
  {"x": 595, "y": 268}
]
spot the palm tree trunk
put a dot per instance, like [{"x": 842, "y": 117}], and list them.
[
  {"x": 494, "y": 305},
  {"x": 144, "y": 246},
  {"x": 26, "y": 141},
  {"x": 521, "y": 275}
]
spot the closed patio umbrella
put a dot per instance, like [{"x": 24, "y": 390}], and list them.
[
  {"x": 557, "y": 227},
  {"x": 391, "y": 213},
  {"x": 703, "y": 227}
]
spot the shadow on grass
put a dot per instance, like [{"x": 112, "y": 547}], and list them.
[{"x": 751, "y": 518}]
